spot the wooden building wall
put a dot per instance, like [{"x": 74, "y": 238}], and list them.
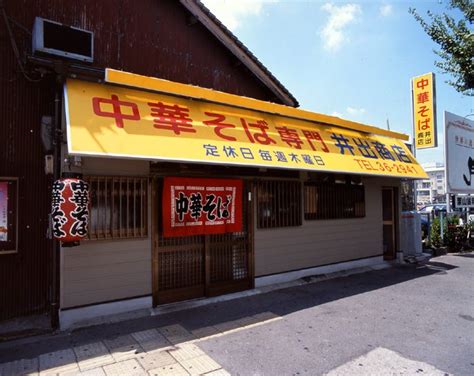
[
  {"x": 149, "y": 37},
  {"x": 103, "y": 271},
  {"x": 322, "y": 242},
  {"x": 106, "y": 270},
  {"x": 25, "y": 276}
]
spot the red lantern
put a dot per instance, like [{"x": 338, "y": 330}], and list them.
[{"x": 70, "y": 209}]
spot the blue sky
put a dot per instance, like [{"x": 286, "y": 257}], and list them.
[{"x": 349, "y": 59}]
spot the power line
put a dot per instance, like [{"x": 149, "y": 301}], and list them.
[{"x": 14, "y": 45}]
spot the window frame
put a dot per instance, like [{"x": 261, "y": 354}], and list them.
[
  {"x": 334, "y": 212},
  {"x": 107, "y": 230},
  {"x": 11, "y": 246},
  {"x": 278, "y": 219}
]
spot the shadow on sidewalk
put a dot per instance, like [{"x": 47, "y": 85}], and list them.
[
  {"x": 220, "y": 318},
  {"x": 468, "y": 255}
]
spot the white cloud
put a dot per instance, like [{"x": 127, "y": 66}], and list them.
[
  {"x": 337, "y": 114},
  {"x": 333, "y": 33},
  {"x": 232, "y": 12},
  {"x": 385, "y": 10},
  {"x": 355, "y": 111}
]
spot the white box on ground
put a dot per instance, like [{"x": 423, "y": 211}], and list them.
[{"x": 410, "y": 233}]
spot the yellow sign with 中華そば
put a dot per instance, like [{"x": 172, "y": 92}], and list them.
[
  {"x": 424, "y": 111},
  {"x": 107, "y": 120}
]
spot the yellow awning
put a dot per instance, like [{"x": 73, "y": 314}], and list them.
[{"x": 168, "y": 121}]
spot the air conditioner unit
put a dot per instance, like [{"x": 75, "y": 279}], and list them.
[{"x": 54, "y": 38}]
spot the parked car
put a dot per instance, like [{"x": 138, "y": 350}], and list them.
[
  {"x": 433, "y": 209},
  {"x": 424, "y": 226},
  {"x": 428, "y": 212}
]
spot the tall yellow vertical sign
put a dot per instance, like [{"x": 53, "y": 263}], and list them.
[{"x": 424, "y": 111}]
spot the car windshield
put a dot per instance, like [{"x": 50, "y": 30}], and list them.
[{"x": 430, "y": 208}]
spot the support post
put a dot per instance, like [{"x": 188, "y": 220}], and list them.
[
  {"x": 56, "y": 252},
  {"x": 413, "y": 144},
  {"x": 441, "y": 225}
]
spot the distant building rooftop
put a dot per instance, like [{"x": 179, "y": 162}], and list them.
[{"x": 433, "y": 166}]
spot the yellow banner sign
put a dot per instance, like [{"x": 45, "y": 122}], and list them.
[
  {"x": 424, "y": 111},
  {"x": 107, "y": 120}
]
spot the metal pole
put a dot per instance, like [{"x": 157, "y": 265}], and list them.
[
  {"x": 445, "y": 149},
  {"x": 441, "y": 224},
  {"x": 415, "y": 193},
  {"x": 56, "y": 256},
  {"x": 429, "y": 229},
  {"x": 55, "y": 270}
]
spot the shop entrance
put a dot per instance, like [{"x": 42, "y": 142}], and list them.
[
  {"x": 196, "y": 266},
  {"x": 389, "y": 218}
]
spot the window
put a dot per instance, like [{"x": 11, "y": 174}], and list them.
[
  {"x": 8, "y": 215},
  {"x": 118, "y": 207},
  {"x": 324, "y": 200},
  {"x": 278, "y": 203}
]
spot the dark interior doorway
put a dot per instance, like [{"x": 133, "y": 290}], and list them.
[{"x": 390, "y": 218}]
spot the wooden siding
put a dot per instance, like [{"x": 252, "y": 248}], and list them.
[
  {"x": 176, "y": 48},
  {"x": 101, "y": 271},
  {"x": 322, "y": 242},
  {"x": 98, "y": 270},
  {"x": 25, "y": 276}
]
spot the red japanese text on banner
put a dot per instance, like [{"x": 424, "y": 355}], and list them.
[{"x": 193, "y": 206}]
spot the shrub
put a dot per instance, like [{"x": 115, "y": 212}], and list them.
[
  {"x": 436, "y": 233},
  {"x": 449, "y": 231}
]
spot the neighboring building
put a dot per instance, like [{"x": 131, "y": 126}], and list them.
[
  {"x": 280, "y": 192},
  {"x": 433, "y": 189}
]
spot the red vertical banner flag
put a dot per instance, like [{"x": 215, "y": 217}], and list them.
[{"x": 193, "y": 206}]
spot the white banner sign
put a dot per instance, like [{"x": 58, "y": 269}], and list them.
[{"x": 459, "y": 153}]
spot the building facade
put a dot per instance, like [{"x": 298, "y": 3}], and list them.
[
  {"x": 168, "y": 32},
  {"x": 433, "y": 189},
  {"x": 203, "y": 176}
]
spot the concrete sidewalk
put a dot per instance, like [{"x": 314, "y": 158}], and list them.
[
  {"x": 392, "y": 321},
  {"x": 167, "y": 350}
]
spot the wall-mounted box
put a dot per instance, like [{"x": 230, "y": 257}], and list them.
[{"x": 54, "y": 38}]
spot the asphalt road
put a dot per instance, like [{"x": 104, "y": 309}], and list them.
[
  {"x": 424, "y": 314},
  {"x": 403, "y": 320}
]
